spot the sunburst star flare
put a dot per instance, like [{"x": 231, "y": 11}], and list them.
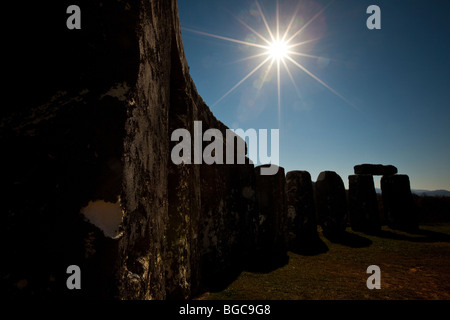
[{"x": 279, "y": 49}]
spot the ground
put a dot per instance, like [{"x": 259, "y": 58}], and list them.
[{"x": 413, "y": 267}]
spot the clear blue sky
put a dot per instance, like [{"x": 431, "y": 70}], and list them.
[{"x": 395, "y": 82}]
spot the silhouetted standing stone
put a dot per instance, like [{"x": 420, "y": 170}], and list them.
[
  {"x": 375, "y": 169},
  {"x": 227, "y": 202},
  {"x": 331, "y": 203},
  {"x": 301, "y": 215},
  {"x": 398, "y": 202},
  {"x": 271, "y": 227},
  {"x": 363, "y": 204}
]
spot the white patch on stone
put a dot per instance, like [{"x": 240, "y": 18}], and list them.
[{"x": 107, "y": 216}]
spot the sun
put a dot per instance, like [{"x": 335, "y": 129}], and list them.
[{"x": 278, "y": 50}]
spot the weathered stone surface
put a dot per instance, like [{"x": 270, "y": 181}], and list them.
[
  {"x": 206, "y": 213},
  {"x": 271, "y": 233},
  {"x": 301, "y": 211},
  {"x": 375, "y": 169},
  {"x": 95, "y": 126},
  {"x": 398, "y": 202},
  {"x": 184, "y": 210},
  {"x": 141, "y": 271},
  {"x": 363, "y": 204},
  {"x": 331, "y": 203}
]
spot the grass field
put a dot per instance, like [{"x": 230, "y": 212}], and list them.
[{"x": 413, "y": 266}]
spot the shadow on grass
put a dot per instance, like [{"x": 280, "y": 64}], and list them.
[
  {"x": 421, "y": 235},
  {"x": 350, "y": 239},
  {"x": 221, "y": 281},
  {"x": 309, "y": 247},
  {"x": 266, "y": 263}
]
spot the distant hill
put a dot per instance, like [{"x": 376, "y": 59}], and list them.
[
  {"x": 429, "y": 193},
  {"x": 435, "y": 193}
]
